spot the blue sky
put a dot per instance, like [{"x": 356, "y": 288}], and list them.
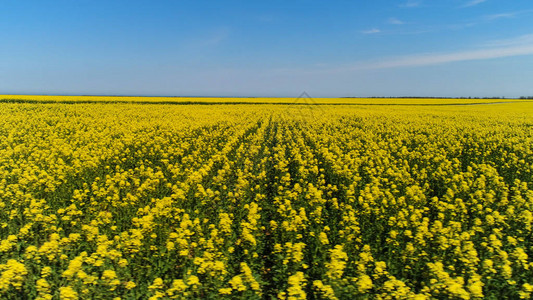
[{"x": 275, "y": 48}]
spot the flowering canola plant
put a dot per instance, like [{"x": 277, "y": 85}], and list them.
[{"x": 152, "y": 201}]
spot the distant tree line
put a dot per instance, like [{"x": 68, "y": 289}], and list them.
[{"x": 419, "y": 97}]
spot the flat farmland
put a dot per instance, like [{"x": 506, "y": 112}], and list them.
[{"x": 367, "y": 198}]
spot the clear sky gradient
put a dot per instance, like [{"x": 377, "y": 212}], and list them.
[{"x": 477, "y": 48}]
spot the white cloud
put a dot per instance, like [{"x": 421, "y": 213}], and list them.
[
  {"x": 411, "y": 3},
  {"x": 442, "y": 58},
  {"x": 461, "y": 25},
  {"x": 526, "y": 39},
  {"x": 500, "y": 16},
  {"x": 371, "y": 31},
  {"x": 473, "y": 3},
  {"x": 395, "y": 21},
  {"x": 488, "y": 18},
  {"x": 508, "y": 15}
]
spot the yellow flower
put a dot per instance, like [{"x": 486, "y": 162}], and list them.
[
  {"x": 46, "y": 271},
  {"x": 157, "y": 284},
  {"x": 237, "y": 284},
  {"x": 525, "y": 293},
  {"x": 193, "y": 280},
  {"x": 7, "y": 244},
  {"x": 74, "y": 266},
  {"x": 130, "y": 285},
  {"x": 323, "y": 237},
  {"x": 108, "y": 275},
  {"x": 43, "y": 287},
  {"x": 178, "y": 286},
  {"x": 122, "y": 263},
  {"x": 13, "y": 274},
  {"x": 225, "y": 291},
  {"x": 364, "y": 283},
  {"x": 325, "y": 290},
  {"x": 296, "y": 288},
  {"x": 67, "y": 293},
  {"x": 335, "y": 268},
  {"x": 475, "y": 286}
]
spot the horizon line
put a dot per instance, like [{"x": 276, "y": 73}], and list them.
[{"x": 243, "y": 97}]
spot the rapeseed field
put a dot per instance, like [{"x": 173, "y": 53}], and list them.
[
  {"x": 244, "y": 100},
  {"x": 150, "y": 201}
]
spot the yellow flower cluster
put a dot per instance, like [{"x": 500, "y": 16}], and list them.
[
  {"x": 13, "y": 275},
  {"x": 153, "y": 201},
  {"x": 212, "y": 100}
]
